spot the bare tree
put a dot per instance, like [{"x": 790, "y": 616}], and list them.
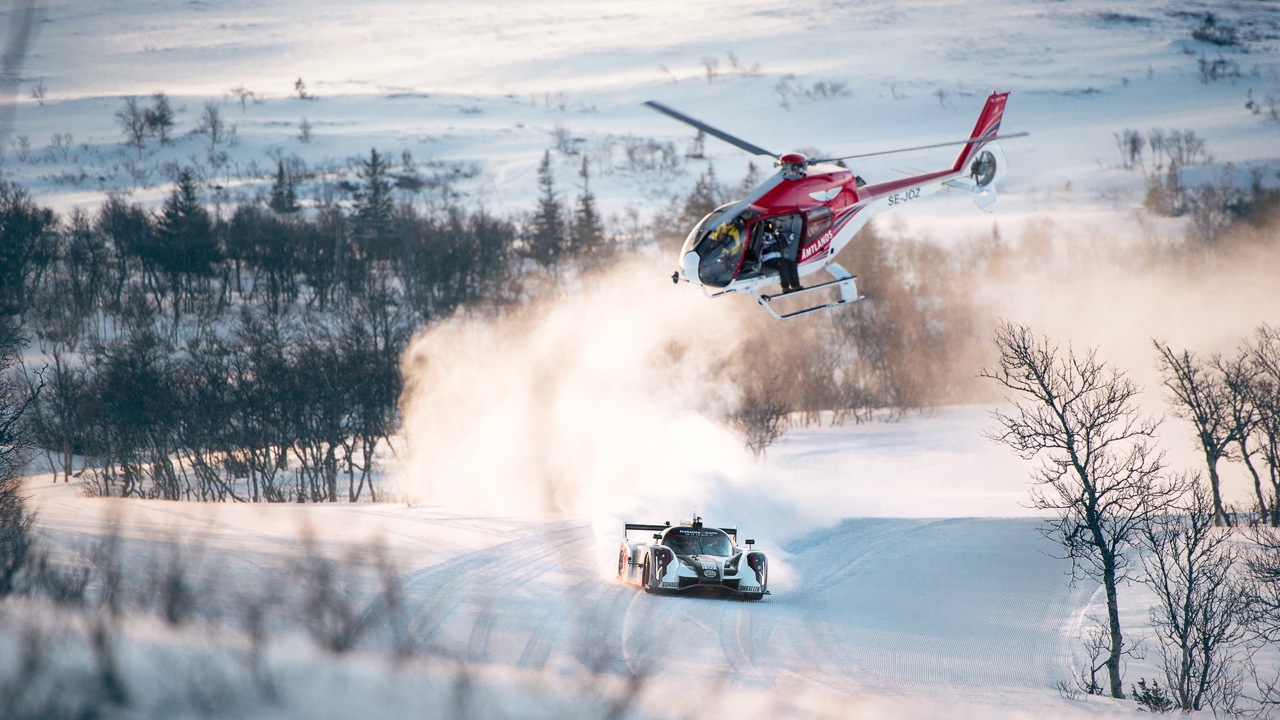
[
  {"x": 1264, "y": 355},
  {"x": 1240, "y": 379},
  {"x": 1263, "y": 562},
  {"x": 764, "y": 403},
  {"x": 1201, "y": 397},
  {"x": 133, "y": 122},
  {"x": 1097, "y": 645},
  {"x": 159, "y": 118},
  {"x": 1099, "y": 471},
  {"x": 1200, "y": 613},
  {"x": 16, "y": 519},
  {"x": 331, "y": 613},
  {"x": 211, "y": 124}
]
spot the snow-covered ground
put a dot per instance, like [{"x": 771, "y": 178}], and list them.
[
  {"x": 910, "y": 578},
  {"x": 909, "y": 606}
]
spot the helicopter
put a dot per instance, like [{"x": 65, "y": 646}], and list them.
[{"x": 796, "y": 222}]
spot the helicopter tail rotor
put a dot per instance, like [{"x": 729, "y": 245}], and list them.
[{"x": 985, "y": 167}]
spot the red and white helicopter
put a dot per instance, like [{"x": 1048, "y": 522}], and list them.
[{"x": 795, "y": 223}]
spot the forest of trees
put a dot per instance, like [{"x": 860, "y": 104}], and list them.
[{"x": 178, "y": 354}]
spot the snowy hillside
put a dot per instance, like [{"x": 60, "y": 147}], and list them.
[{"x": 910, "y": 578}]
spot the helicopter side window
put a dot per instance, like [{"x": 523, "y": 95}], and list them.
[{"x": 818, "y": 221}]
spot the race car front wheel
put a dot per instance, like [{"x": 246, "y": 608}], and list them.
[{"x": 644, "y": 577}]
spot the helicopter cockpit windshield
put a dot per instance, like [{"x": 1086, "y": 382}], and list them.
[{"x": 719, "y": 241}]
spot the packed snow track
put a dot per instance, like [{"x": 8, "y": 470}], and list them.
[{"x": 900, "y": 607}]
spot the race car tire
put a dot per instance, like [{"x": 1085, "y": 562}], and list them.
[
  {"x": 644, "y": 577},
  {"x": 622, "y": 561},
  {"x": 753, "y": 597}
]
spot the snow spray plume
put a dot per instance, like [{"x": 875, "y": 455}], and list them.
[
  {"x": 1116, "y": 289},
  {"x": 582, "y": 403}
]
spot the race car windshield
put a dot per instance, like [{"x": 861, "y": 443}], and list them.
[{"x": 702, "y": 544}]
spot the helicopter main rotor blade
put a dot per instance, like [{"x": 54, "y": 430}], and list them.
[
  {"x": 713, "y": 132},
  {"x": 970, "y": 141}
]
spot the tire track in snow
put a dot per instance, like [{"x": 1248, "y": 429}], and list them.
[
  {"x": 738, "y": 643},
  {"x": 837, "y": 575},
  {"x": 479, "y": 579},
  {"x": 518, "y": 573},
  {"x": 957, "y": 605},
  {"x": 432, "y": 594},
  {"x": 642, "y": 628}
]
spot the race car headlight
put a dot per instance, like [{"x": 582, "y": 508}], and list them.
[
  {"x": 757, "y": 562},
  {"x": 661, "y": 559}
]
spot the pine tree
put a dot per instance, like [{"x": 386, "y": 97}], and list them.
[
  {"x": 586, "y": 239},
  {"x": 374, "y": 205},
  {"x": 284, "y": 192},
  {"x": 184, "y": 229},
  {"x": 547, "y": 240},
  {"x": 187, "y": 246},
  {"x": 704, "y": 198},
  {"x": 751, "y": 180}
]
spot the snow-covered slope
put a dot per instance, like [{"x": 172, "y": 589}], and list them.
[{"x": 874, "y": 615}]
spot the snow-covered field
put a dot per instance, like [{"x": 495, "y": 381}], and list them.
[
  {"x": 910, "y": 578},
  {"x": 876, "y": 614}
]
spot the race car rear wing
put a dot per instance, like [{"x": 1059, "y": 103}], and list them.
[
  {"x": 638, "y": 526},
  {"x": 732, "y": 531}
]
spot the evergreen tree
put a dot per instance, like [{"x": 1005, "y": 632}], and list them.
[
  {"x": 586, "y": 239},
  {"x": 284, "y": 192},
  {"x": 705, "y": 197},
  {"x": 547, "y": 240},
  {"x": 751, "y": 180},
  {"x": 187, "y": 243},
  {"x": 374, "y": 206}
]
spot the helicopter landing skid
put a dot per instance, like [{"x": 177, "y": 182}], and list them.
[
  {"x": 718, "y": 293},
  {"x": 847, "y": 285}
]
